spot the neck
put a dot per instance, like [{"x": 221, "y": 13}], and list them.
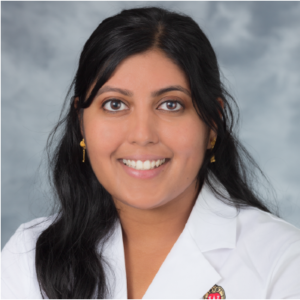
[{"x": 159, "y": 227}]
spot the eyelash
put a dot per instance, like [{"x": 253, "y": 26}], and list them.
[{"x": 112, "y": 111}]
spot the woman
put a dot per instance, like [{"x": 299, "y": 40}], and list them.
[{"x": 155, "y": 192}]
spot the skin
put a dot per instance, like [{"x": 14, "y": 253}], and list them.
[{"x": 153, "y": 212}]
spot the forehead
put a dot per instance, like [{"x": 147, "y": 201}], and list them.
[{"x": 151, "y": 69}]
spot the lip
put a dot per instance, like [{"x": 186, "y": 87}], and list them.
[{"x": 144, "y": 174}]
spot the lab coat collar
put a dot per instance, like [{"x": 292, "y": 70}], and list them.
[
  {"x": 185, "y": 273},
  {"x": 212, "y": 223}
]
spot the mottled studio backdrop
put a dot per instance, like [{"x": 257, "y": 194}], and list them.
[{"x": 258, "y": 46}]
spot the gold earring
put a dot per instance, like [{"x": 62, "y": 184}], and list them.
[
  {"x": 82, "y": 144},
  {"x": 212, "y": 143}
]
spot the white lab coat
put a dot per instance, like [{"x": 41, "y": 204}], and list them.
[{"x": 249, "y": 255}]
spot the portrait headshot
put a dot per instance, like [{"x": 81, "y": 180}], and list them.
[{"x": 150, "y": 150}]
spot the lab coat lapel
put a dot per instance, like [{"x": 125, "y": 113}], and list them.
[
  {"x": 113, "y": 254},
  {"x": 186, "y": 273}
]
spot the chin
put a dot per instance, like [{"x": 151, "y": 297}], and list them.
[
  {"x": 142, "y": 202},
  {"x": 145, "y": 205}
]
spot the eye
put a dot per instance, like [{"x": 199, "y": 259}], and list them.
[
  {"x": 114, "y": 105},
  {"x": 171, "y": 105}
]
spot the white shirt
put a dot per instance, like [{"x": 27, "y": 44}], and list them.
[{"x": 252, "y": 254}]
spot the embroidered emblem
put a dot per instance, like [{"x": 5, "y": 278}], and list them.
[{"x": 216, "y": 292}]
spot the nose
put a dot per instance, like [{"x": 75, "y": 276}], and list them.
[{"x": 143, "y": 128}]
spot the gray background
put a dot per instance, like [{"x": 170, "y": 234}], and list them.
[{"x": 258, "y": 47}]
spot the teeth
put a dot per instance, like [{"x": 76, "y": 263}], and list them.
[
  {"x": 139, "y": 165},
  {"x": 146, "y": 165}
]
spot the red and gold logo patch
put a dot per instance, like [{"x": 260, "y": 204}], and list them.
[{"x": 216, "y": 292}]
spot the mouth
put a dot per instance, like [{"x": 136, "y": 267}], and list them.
[{"x": 144, "y": 165}]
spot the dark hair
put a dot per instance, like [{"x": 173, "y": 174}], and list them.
[{"x": 68, "y": 261}]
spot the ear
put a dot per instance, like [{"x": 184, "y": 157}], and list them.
[
  {"x": 76, "y": 102},
  {"x": 212, "y": 133},
  {"x": 221, "y": 102}
]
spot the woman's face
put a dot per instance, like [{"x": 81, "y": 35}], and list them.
[{"x": 139, "y": 121}]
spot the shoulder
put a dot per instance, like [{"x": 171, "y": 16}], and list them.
[
  {"x": 26, "y": 235},
  {"x": 18, "y": 260},
  {"x": 259, "y": 227},
  {"x": 271, "y": 246}
]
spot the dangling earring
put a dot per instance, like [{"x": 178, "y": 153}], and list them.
[
  {"x": 212, "y": 143},
  {"x": 82, "y": 144}
]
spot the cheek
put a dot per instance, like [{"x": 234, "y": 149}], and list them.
[
  {"x": 188, "y": 140},
  {"x": 103, "y": 138}
]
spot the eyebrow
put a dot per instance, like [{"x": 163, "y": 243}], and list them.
[{"x": 153, "y": 94}]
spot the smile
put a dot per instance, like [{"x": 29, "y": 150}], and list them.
[{"x": 146, "y": 165}]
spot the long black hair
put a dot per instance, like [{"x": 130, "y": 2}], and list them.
[{"x": 68, "y": 262}]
